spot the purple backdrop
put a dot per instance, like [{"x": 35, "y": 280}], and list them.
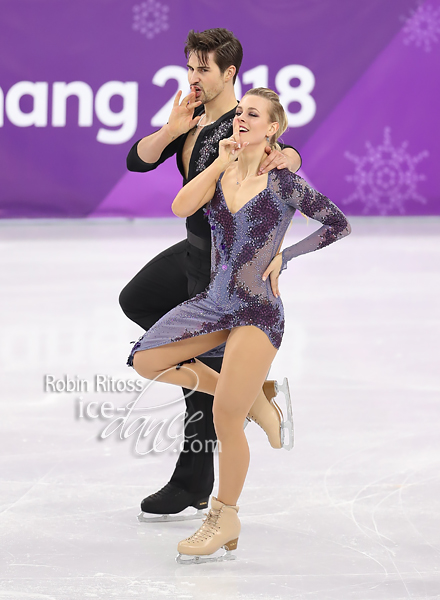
[{"x": 81, "y": 81}]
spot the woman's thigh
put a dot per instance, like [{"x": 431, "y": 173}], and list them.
[
  {"x": 246, "y": 362},
  {"x": 166, "y": 356}
]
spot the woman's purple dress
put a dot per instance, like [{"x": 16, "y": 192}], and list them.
[{"x": 243, "y": 245}]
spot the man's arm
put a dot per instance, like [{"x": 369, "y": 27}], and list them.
[
  {"x": 151, "y": 148},
  {"x": 136, "y": 164}
]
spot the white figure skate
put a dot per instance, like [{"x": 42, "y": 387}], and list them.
[
  {"x": 220, "y": 530},
  {"x": 270, "y": 418}
]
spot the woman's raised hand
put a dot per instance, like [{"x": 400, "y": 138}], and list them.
[
  {"x": 230, "y": 148},
  {"x": 181, "y": 117}
]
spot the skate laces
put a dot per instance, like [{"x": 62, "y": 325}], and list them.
[
  {"x": 163, "y": 491},
  {"x": 208, "y": 528}
]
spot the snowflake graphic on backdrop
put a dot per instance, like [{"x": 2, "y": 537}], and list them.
[
  {"x": 150, "y": 18},
  {"x": 422, "y": 27},
  {"x": 385, "y": 178}
]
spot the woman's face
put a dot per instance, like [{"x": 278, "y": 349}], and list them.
[{"x": 252, "y": 116}]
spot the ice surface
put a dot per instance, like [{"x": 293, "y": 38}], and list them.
[{"x": 351, "y": 513}]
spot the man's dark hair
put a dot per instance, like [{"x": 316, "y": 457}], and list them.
[{"x": 227, "y": 49}]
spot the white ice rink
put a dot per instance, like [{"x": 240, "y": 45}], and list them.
[{"x": 352, "y": 513}]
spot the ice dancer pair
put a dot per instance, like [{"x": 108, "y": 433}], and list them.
[{"x": 195, "y": 126}]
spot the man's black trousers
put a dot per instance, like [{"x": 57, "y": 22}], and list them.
[{"x": 177, "y": 274}]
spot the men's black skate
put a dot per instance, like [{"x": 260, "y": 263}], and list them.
[{"x": 169, "y": 504}]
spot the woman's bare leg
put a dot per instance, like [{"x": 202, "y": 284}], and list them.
[
  {"x": 248, "y": 356},
  {"x": 161, "y": 362},
  {"x": 247, "y": 359}
]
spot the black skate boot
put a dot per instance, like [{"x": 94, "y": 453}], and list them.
[{"x": 169, "y": 502}]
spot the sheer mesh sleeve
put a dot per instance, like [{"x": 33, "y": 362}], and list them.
[{"x": 299, "y": 195}]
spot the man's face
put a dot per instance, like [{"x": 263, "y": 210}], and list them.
[{"x": 206, "y": 81}]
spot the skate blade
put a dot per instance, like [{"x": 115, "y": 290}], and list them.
[
  {"x": 187, "y": 559},
  {"x": 149, "y": 518},
  {"x": 287, "y": 435},
  {"x": 287, "y": 438}
]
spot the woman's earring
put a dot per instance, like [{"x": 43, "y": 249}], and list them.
[{"x": 267, "y": 139}]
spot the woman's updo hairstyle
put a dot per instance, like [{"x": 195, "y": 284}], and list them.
[{"x": 277, "y": 114}]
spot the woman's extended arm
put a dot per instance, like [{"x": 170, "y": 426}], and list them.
[
  {"x": 318, "y": 207},
  {"x": 311, "y": 203}
]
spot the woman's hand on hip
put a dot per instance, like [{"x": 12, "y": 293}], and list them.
[{"x": 273, "y": 270}]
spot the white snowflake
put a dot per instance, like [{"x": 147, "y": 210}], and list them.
[
  {"x": 150, "y": 18},
  {"x": 385, "y": 178},
  {"x": 422, "y": 27}
]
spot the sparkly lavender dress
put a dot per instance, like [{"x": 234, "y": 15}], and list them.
[{"x": 243, "y": 245}]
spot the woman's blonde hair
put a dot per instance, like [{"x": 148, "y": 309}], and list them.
[{"x": 277, "y": 114}]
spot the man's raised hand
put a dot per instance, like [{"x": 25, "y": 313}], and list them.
[{"x": 181, "y": 118}]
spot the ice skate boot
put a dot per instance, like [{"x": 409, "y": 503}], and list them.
[
  {"x": 169, "y": 502},
  {"x": 269, "y": 416},
  {"x": 220, "y": 529}
]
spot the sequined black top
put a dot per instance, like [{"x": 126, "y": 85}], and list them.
[{"x": 204, "y": 153}]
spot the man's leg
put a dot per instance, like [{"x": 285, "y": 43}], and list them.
[
  {"x": 173, "y": 276},
  {"x": 195, "y": 467},
  {"x": 193, "y": 478},
  {"x": 158, "y": 287}
]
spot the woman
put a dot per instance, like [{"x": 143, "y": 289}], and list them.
[{"x": 249, "y": 215}]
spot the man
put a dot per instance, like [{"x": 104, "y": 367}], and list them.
[{"x": 196, "y": 125}]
